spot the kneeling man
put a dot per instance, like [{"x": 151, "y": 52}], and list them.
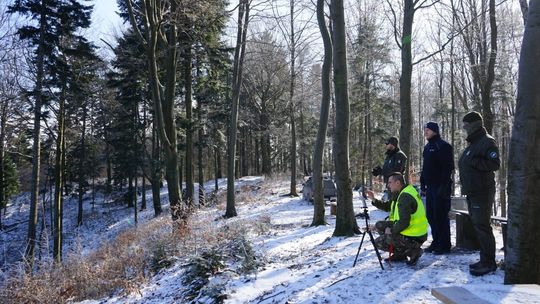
[{"x": 406, "y": 229}]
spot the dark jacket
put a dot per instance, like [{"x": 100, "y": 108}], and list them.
[
  {"x": 395, "y": 161},
  {"x": 478, "y": 163},
  {"x": 407, "y": 206},
  {"x": 438, "y": 163}
]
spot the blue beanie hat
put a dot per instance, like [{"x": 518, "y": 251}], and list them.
[{"x": 433, "y": 126}]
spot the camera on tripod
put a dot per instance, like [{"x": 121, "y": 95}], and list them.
[
  {"x": 365, "y": 215},
  {"x": 363, "y": 199}
]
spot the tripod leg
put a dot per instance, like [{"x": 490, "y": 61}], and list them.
[
  {"x": 359, "y": 247},
  {"x": 376, "y": 249}
]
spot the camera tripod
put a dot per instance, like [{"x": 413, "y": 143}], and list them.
[{"x": 367, "y": 230}]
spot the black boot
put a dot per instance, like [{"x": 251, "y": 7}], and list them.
[
  {"x": 483, "y": 268},
  {"x": 475, "y": 265},
  {"x": 414, "y": 255}
]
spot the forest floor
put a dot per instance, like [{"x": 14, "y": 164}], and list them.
[{"x": 295, "y": 263}]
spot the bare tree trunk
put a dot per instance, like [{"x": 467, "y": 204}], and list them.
[
  {"x": 200, "y": 174},
  {"x": 59, "y": 180},
  {"x": 156, "y": 173},
  {"x": 163, "y": 90},
  {"x": 453, "y": 98},
  {"x": 135, "y": 204},
  {"x": 345, "y": 221},
  {"x": 302, "y": 132},
  {"x": 405, "y": 106},
  {"x": 216, "y": 169},
  {"x": 293, "y": 43},
  {"x": 366, "y": 162},
  {"x": 143, "y": 159},
  {"x": 243, "y": 19},
  {"x": 36, "y": 150},
  {"x": 318, "y": 151},
  {"x": 523, "y": 248},
  {"x": 189, "y": 117},
  {"x": 293, "y": 157},
  {"x": 503, "y": 170},
  {"x": 82, "y": 176},
  {"x": 487, "y": 85},
  {"x": 3, "y": 198}
]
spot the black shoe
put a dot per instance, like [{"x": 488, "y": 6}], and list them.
[
  {"x": 483, "y": 269},
  {"x": 430, "y": 248},
  {"x": 475, "y": 265},
  {"x": 414, "y": 255},
  {"x": 396, "y": 258}
]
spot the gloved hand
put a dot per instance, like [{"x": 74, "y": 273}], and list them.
[{"x": 376, "y": 171}]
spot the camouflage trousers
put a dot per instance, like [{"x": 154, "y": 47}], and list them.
[{"x": 401, "y": 244}]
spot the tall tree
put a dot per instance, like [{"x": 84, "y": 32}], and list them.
[
  {"x": 43, "y": 36},
  {"x": 405, "y": 79},
  {"x": 187, "y": 57},
  {"x": 36, "y": 34},
  {"x": 131, "y": 92},
  {"x": 522, "y": 252},
  {"x": 293, "y": 50},
  {"x": 159, "y": 36},
  {"x": 318, "y": 196},
  {"x": 64, "y": 75},
  {"x": 239, "y": 55},
  {"x": 345, "y": 221}
]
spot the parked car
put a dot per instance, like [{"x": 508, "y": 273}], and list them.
[{"x": 329, "y": 189}]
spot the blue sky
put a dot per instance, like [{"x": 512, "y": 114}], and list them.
[{"x": 106, "y": 24}]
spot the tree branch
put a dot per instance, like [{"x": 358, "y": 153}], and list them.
[
  {"x": 394, "y": 24},
  {"x": 134, "y": 23},
  {"x": 425, "y": 6}
]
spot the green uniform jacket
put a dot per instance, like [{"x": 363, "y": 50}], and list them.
[{"x": 478, "y": 163}]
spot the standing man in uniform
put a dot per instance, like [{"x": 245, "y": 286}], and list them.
[
  {"x": 395, "y": 160},
  {"x": 476, "y": 171},
  {"x": 436, "y": 186}
]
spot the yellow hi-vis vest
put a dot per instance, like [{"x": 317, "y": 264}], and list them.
[{"x": 419, "y": 223}]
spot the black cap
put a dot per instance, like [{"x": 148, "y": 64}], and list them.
[
  {"x": 393, "y": 141},
  {"x": 472, "y": 117},
  {"x": 433, "y": 126}
]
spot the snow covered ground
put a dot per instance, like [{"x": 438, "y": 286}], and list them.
[{"x": 303, "y": 264}]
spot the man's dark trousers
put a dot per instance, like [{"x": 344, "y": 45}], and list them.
[
  {"x": 437, "y": 209},
  {"x": 480, "y": 212}
]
